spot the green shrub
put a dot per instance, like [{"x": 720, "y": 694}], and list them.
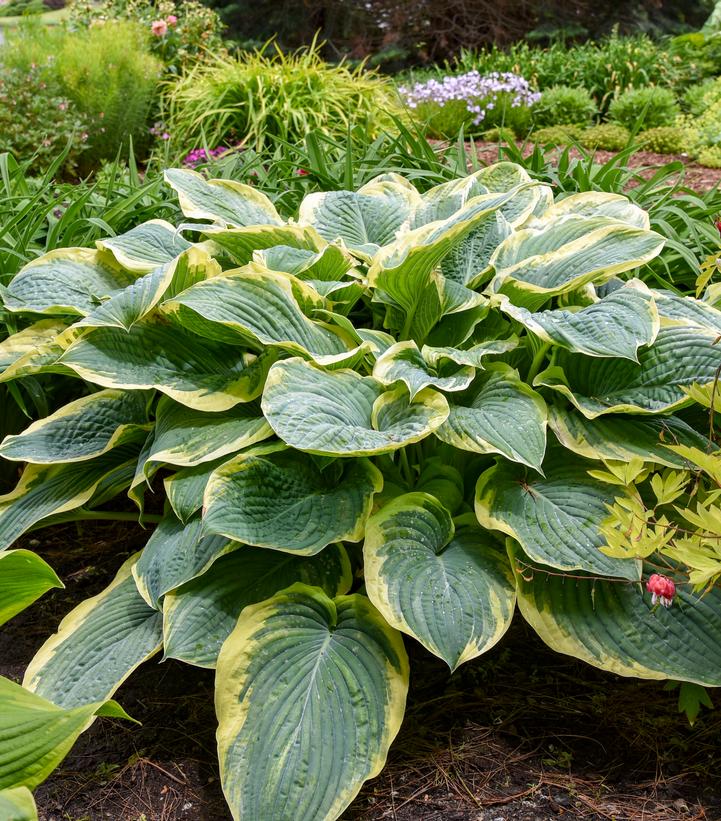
[
  {"x": 668, "y": 139},
  {"x": 347, "y": 382},
  {"x": 498, "y": 135},
  {"x": 710, "y": 156},
  {"x": 36, "y": 119},
  {"x": 556, "y": 135},
  {"x": 256, "y": 95},
  {"x": 564, "y": 105},
  {"x": 105, "y": 71},
  {"x": 179, "y": 33},
  {"x": 698, "y": 96},
  {"x": 649, "y": 107},
  {"x": 607, "y": 137}
]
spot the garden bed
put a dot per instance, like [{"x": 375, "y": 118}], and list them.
[{"x": 521, "y": 734}]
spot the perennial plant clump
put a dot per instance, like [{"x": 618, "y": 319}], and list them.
[{"x": 400, "y": 416}]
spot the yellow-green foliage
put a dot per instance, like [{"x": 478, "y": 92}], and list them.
[
  {"x": 499, "y": 134},
  {"x": 255, "y": 95},
  {"x": 703, "y": 130},
  {"x": 561, "y": 105},
  {"x": 105, "y": 71},
  {"x": 647, "y": 107},
  {"x": 608, "y": 137},
  {"x": 556, "y": 135},
  {"x": 710, "y": 157},
  {"x": 666, "y": 139}
]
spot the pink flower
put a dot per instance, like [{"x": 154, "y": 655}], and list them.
[
  {"x": 171, "y": 20},
  {"x": 301, "y": 172},
  {"x": 159, "y": 28},
  {"x": 662, "y": 589},
  {"x": 165, "y": 135}
]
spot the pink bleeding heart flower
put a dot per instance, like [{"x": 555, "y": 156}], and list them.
[{"x": 662, "y": 589}]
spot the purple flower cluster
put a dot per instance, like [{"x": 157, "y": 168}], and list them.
[
  {"x": 199, "y": 155},
  {"x": 479, "y": 92}
]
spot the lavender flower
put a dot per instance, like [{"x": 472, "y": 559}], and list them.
[
  {"x": 199, "y": 155},
  {"x": 479, "y": 92}
]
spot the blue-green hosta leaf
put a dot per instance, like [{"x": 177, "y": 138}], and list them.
[
  {"x": 614, "y": 626},
  {"x": 175, "y": 554},
  {"x": 97, "y": 645},
  {"x": 200, "y": 615},
  {"x": 24, "y": 577},
  {"x": 469, "y": 260},
  {"x": 36, "y": 735},
  {"x": 364, "y": 219},
  {"x": 18, "y": 804},
  {"x": 555, "y": 518},
  {"x": 46, "y": 490},
  {"x": 140, "y": 297},
  {"x": 616, "y": 326},
  {"x": 450, "y": 588},
  {"x": 225, "y": 201},
  {"x": 308, "y": 690},
  {"x": 505, "y": 176},
  {"x": 186, "y": 437},
  {"x": 145, "y": 247},
  {"x": 622, "y": 438},
  {"x": 340, "y": 413},
  {"x": 330, "y": 264},
  {"x": 442, "y": 201},
  {"x": 597, "y": 204},
  {"x": 28, "y": 340},
  {"x": 280, "y": 499},
  {"x": 534, "y": 264},
  {"x": 195, "y": 372},
  {"x": 67, "y": 281},
  {"x": 404, "y": 362},
  {"x": 472, "y": 357},
  {"x": 499, "y": 413},
  {"x": 241, "y": 244},
  {"x": 83, "y": 429},
  {"x": 185, "y": 488},
  {"x": 679, "y": 358},
  {"x": 685, "y": 310},
  {"x": 260, "y": 308}
]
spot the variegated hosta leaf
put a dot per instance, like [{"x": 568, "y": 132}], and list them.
[
  {"x": 187, "y": 437},
  {"x": 24, "y": 577},
  {"x": 28, "y": 340},
  {"x": 140, "y": 297},
  {"x": 80, "y": 430},
  {"x": 36, "y": 735},
  {"x": 597, "y": 204},
  {"x": 71, "y": 281},
  {"x": 442, "y": 481},
  {"x": 499, "y": 413},
  {"x": 145, "y": 247},
  {"x": 328, "y": 265},
  {"x": 505, "y": 176},
  {"x": 340, "y": 413},
  {"x": 225, "y": 201},
  {"x": 405, "y": 363},
  {"x": 450, "y": 588},
  {"x": 197, "y": 373},
  {"x": 555, "y": 518},
  {"x": 441, "y": 357},
  {"x": 306, "y": 684},
  {"x": 622, "y": 438},
  {"x": 615, "y": 326},
  {"x": 97, "y": 645},
  {"x": 175, "y": 554},
  {"x": 18, "y": 804},
  {"x": 200, "y": 615},
  {"x": 442, "y": 201},
  {"x": 44, "y": 358},
  {"x": 469, "y": 260},
  {"x": 364, "y": 219},
  {"x": 280, "y": 499},
  {"x": 685, "y": 310},
  {"x": 241, "y": 244},
  {"x": 47, "y": 490},
  {"x": 185, "y": 488},
  {"x": 534, "y": 264},
  {"x": 614, "y": 626},
  {"x": 679, "y": 358},
  {"x": 260, "y": 308},
  {"x": 404, "y": 273}
]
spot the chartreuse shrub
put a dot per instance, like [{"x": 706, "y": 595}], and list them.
[
  {"x": 397, "y": 418},
  {"x": 668, "y": 139},
  {"x": 607, "y": 137}
]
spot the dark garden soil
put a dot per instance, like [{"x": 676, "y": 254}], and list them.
[
  {"x": 521, "y": 734},
  {"x": 697, "y": 177}
]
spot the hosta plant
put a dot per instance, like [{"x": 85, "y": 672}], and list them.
[{"x": 395, "y": 419}]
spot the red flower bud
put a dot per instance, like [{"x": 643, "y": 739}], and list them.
[
  {"x": 662, "y": 589},
  {"x": 717, "y": 223}
]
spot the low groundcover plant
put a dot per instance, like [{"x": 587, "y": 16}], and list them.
[{"x": 397, "y": 418}]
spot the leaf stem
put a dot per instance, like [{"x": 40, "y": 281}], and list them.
[
  {"x": 537, "y": 362},
  {"x": 97, "y": 515}
]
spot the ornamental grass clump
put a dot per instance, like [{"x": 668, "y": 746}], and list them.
[
  {"x": 400, "y": 417},
  {"x": 471, "y": 100}
]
